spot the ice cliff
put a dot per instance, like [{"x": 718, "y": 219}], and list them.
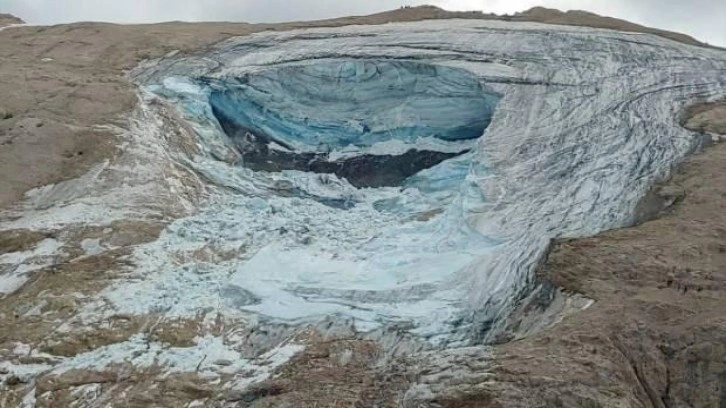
[{"x": 409, "y": 175}]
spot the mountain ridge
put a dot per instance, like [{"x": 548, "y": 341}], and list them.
[
  {"x": 9, "y": 19},
  {"x": 416, "y": 13}
]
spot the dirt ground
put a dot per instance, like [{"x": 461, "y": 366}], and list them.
[
  {"x": 656, "y": 335},
  {"x": 9, "y": 19}
]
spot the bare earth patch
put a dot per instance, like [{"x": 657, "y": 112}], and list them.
[{"x": 706, "y": 117}]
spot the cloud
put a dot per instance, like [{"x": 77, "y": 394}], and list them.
[{"x": 704, "y": 19}]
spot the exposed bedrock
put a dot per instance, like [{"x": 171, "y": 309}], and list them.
[{"x": 365, "y": 170}]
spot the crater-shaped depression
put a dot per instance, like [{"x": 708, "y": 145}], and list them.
[{"x": 354, "y": 181}]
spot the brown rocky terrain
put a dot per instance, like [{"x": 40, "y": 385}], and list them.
[
  {"x": 536, "y": 14},
  {"x": 584, "y": 18},
  {"x": 654, "y": 337},
  {"x": 9, "y": 19}
]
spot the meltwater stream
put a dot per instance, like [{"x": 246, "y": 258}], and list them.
[{"x": 408, "y": 174}]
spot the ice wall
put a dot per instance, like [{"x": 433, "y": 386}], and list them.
[
  {"x": 343, "y": 117},
  {"x": 334, "y": 105}
]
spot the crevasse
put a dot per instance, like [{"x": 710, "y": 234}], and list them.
[{"x": 341, "y": 117}]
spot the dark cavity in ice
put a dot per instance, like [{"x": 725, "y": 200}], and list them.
[{"x": 374, "y": 123}]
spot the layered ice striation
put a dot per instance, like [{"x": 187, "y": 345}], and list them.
[
  {"x": 410, "y": 174},
  {"x": 341, "y": 117}
]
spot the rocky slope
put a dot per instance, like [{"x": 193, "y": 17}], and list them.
[
  {"x": 535, "y": 14},
  {"x": 655, "y": 337},
  {"x": 9, "y": 19},
  {"x": 652, "y": 337}
]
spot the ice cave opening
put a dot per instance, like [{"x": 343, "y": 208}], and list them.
[{"x": 374, "y": 123}]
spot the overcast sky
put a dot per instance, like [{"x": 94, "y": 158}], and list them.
[{"x": 703, "y": 19}]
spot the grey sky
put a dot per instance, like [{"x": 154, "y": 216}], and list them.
[{"x": 703, "y": 19}]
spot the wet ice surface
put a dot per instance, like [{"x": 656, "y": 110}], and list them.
[{"x": 586, "y": 122}]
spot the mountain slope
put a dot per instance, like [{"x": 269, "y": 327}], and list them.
[
  {"x": 119, "y": 273},
  {"x": 118, "y": 49},
  {"x": 9, "y": 19}
]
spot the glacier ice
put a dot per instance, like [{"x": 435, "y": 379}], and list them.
[
  {"x": 577, "y": 123},
  {"x": 336, "y": 104},
  {"x": 346, "y": 117}
]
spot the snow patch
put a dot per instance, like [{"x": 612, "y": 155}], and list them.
[
  {"x": 210, "y": 356},
  {"x": 18, "y": 265}
]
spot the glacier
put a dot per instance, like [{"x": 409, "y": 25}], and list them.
[
  {"x": 335, "y": 104},
  {"x": 315, "y": 117},
  {"x": 409, "y": 175}
]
